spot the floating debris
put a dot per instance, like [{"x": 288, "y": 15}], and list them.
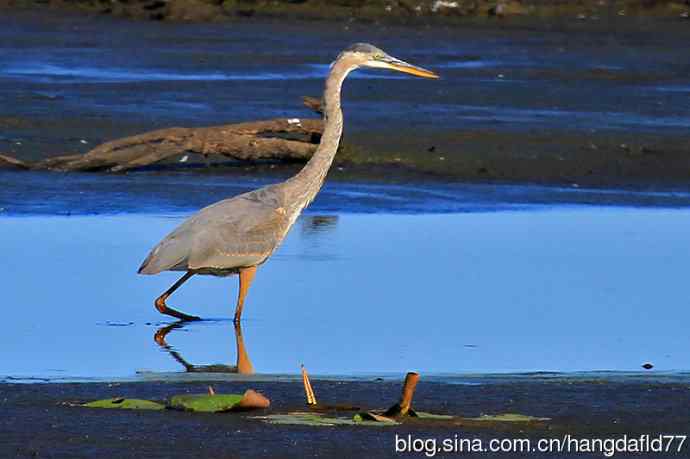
[
  {"x": 442, "y": 4},
  {"x": 318, "y": 419},
  {"x": 404, "y": 406},
  {"x": 506, "y": 417},
  {"x": 369, "y": 416},
  {"x": 309, "y": 392}
]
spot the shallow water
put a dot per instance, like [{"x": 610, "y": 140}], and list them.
[
  {"x": 548, "y": 289},
  {"x": 41, "y": 193}
]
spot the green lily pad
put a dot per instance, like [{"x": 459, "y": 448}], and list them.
[
  {"x": 125, "y": 404},
  {"x": 433, "y": 416},
  {"x": 317, "y": 419},
  {"x": 507, "y": 417},
  {"x": 205, "y": 403}
]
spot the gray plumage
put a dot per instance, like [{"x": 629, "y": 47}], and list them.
[{"x": 234, "y": 233}]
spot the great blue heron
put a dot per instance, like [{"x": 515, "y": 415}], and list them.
[{"x": 236, "y": 235}]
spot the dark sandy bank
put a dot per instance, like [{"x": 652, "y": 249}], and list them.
[
  {"x": 36, "y": 421},
  {"x": 588, "y": 102},
  {"x": 396, "y": 11}
]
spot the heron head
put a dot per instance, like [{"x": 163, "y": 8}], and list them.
[{"x": 366, "y": 55}]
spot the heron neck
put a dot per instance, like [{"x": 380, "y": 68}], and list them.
[{"x": 311, "y": 177}]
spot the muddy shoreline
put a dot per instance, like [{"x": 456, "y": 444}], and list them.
[
  {"x": 586, "y": 103},
  {"x": 602, "y": 160},
  {"x": 37, "y": 422},
  {"x": 409, "y": 12}
]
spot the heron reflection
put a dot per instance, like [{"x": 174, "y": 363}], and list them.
[
  {"x": 242, "y": 366},
  {"x": 318, "y": 224}
]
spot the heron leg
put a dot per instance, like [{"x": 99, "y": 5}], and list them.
[
  {"x": 165, "y": 309},
  {"x": 246, "y": 278}
]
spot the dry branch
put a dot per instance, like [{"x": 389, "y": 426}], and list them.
[
  {"x": 309, "y": 392},
  {"x": 278, "y": 139},
  {"x": 404, "y": 407},
  {"x": 313, "y": 103},
  {"x": 7, "y": 162}
]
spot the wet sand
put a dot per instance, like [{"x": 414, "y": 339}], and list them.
[{"x": 36, "y": 423}]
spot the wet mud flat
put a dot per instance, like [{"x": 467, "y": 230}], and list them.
[
  {"x": 591, "y": 102},
  {"x": 37, "y": 422},
  {"x": 401, "y": 11}
]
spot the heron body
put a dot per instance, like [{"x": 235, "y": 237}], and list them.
[{"x": 236, "y": 235}]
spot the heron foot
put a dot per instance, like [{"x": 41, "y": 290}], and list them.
[{"x": 165, "y": 309}]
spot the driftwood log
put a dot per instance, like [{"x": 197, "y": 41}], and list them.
[
  {"x": 281, "y": 139},
  {"x": 278, "y": 139},
  {"x": 8, "y": 162}
]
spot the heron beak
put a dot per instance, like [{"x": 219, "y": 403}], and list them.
[{"x": 402, "y": 66}]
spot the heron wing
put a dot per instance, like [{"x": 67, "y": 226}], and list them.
[{"x": 231, "y": 234}]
